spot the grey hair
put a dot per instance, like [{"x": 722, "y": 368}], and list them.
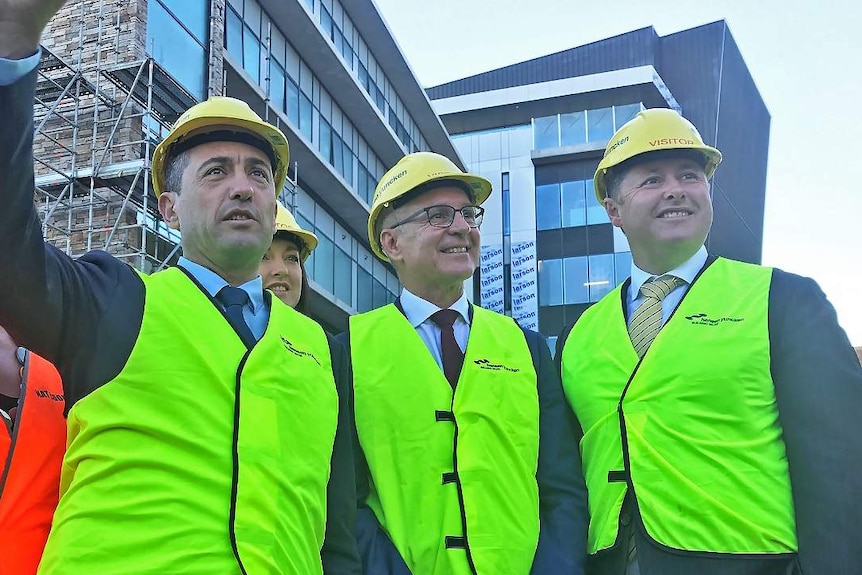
[{"x": 174, "y": 172}]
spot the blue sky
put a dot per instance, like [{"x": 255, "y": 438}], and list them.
[{"x": 804, "y": 57}]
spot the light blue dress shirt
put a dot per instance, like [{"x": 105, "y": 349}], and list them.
[
  {"x": 13, "y": 70},
  {"x": 256, "y": 313},
  {"x": 686, "y": 271},
  {"x": 418, "y": 312}
]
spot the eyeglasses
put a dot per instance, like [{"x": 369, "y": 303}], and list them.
[{"x": 443, "y": 216}]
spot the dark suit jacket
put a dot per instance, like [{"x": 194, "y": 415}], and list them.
[
  {"x": 85, "y": 315},
  {"x": 818, "y": 389},
  {"x": 562, "y": 491}
]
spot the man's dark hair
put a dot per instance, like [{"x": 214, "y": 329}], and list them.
[{"x": 174, "y": 172}]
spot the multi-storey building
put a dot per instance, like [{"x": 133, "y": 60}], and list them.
[
  {"x": 537, "y": 130},
  {"x": 116, "y": 74}
]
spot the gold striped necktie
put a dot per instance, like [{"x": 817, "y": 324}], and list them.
[{"x": 646, "y": 321}]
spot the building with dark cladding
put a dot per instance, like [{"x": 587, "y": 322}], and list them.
[{"x": 538, "y": 128}]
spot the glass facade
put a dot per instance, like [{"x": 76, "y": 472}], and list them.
[
  {"x": 295, "y": 91},
  {"x": 338, "y": 27},
  {"x": 581, "y": 127},
  {"x": 340, "y": 264},
  {"x": 581, "y": 279},
  {"x": 180, "y": 27},
  {"x": 566, "y": 197}
]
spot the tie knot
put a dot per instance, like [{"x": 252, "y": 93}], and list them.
[
  {"x": 658, "y": 288},
  {"x": 445, "y": 317},
  {"x": 231, "y": 296}
]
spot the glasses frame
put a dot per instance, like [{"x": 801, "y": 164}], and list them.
[{"x": 480, "y": 214}]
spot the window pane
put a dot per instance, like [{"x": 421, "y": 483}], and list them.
[
  {"x": 251, "y": 54},
  {"x": 293, "y": 102},
  {"x": 575, "y": 277},
  {"x": 601, "y": 275},
  {"x": 343, "y": 277},
  {"x": 381, "y": 295},
  {"x": 168, "y": 39},
  {"x": 545, "y": 133},
  {"x": 596, "y": 213},
  {"x": 364, "y": 297},
  {"x": 548, "y": 207},
  {"x": 573, "y": 129},
  {"x": 325, "y": 143},
  {"x": 323, "y": 262},
  {"x": 193, "y": 13},
  {"x": 550, "y": 282},
  {"x": 305, "y": 115},
  {"x": 347, "y": 158},
  {"x": 574, "y": 204},
  {"x": 233, "y": 35},
  {"x": 623, "y": 114},
  {"x": 622, "y": 266},
  {"x": 276, "y": 86},
  {"x": 600, "y": 124}
]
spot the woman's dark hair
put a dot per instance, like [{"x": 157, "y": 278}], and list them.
[{"x": 302, "y": 304}]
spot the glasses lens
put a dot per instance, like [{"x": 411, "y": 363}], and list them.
[
  {"x": 472, "y": 215},
  {"x": 441, "y": 216}
]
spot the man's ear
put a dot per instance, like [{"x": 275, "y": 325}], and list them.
[
  {"x": 167, "y": 207},
  {"x": 389, "y": 244},
  {"x": 613, "y": 210}
]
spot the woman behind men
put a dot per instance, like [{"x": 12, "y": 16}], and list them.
[{"x": 283, "y": 266}]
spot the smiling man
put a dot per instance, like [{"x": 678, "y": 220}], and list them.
[
  {"x": 199, "y": 441},
  {"x": 718, "y": 400},
  {"x": 467, "y": 452}
]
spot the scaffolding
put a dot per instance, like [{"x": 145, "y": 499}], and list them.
[{"x": 94, "y": 134}]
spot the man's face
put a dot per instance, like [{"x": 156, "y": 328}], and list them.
[
  {"x": 226, "y": 208},
  {"x": 281, "y": 271},
  {"x": 429, "y": 257},
  {"x": 664, "y": 207}
]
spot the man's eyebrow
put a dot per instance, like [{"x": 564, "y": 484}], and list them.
[{"x": 218, "y": 161}]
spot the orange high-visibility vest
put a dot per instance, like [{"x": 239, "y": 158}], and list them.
[{"x": 31, "y": 459}]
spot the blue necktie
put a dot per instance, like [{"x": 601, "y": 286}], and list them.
[{"x": 234, "y": 299}]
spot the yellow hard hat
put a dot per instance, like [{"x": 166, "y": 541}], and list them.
[
  {"x": 220, "y": 118},
  {"x": 650, "y": 131},
  {"x": 412, "y": 171},
  {"x": 285, "y": 222}
]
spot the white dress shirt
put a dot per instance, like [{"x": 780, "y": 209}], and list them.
[
  {"x": 686, "y": 271},
  {"x": 418, "y": 312}
]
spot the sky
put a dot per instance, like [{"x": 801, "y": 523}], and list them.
[{"x": 805, "y": 58}]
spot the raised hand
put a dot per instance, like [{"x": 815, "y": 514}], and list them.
[{"x": 21, "y": 25}]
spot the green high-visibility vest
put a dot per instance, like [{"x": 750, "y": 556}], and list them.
[
  {"x": 200, "y": 455},
  {"x": 453, "y": 475},
  {"x": 694, "y": 425}
]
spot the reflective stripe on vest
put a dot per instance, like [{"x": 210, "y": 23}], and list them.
[
  {"x": 453, "y": 482},
  {"x": 30, "y": 478},
  {"x": 700, "y": 442},
  {"x": 201, "y": 456}
]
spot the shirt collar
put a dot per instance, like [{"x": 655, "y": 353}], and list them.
[
  {"x": 212, "y": 282},
  {"x": 686, "y": 271},
  {"x": 417, "y": 310}
]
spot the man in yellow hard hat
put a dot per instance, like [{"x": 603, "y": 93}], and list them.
[
  {"x": 718, "y": 400},
  {"x": 467, "y": 455},
  {"x": 283, "y": 265},
  {"x": 202, "y": 412}
]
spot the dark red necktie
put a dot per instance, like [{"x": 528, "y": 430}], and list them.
[{"x": 453, "y": 357}]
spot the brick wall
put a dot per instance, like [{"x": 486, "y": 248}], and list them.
[{"x": 82, "y": 130}]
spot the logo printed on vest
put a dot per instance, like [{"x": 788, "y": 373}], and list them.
[
  {"x": 486, "y": 364},
  {"x": 704, "y": 319},
  {"x": 44, "y": 393},
  {"x": 297, "y": 352}
]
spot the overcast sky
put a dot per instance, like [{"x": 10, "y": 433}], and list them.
[{"x": 805, "y": 57}]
